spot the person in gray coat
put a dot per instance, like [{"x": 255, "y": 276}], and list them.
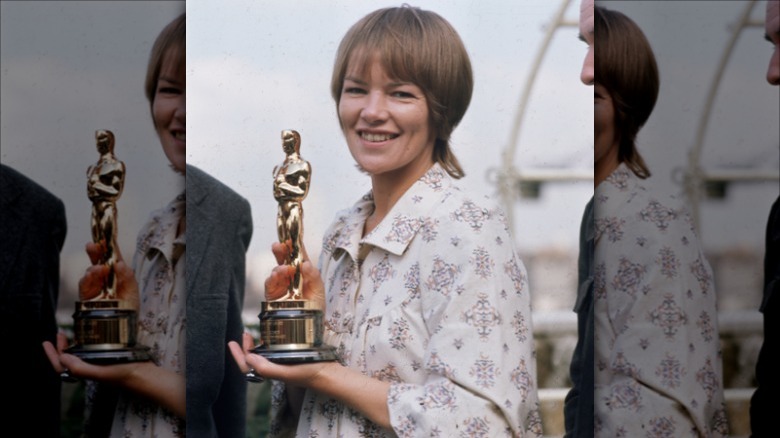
[
  {"x": 219, "y": 223},
  {"x": 32, "y": 231}
]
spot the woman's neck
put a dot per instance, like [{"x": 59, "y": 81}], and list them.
[
  {"x": 387, "y": 189},
  {"x": 604, "y": 168}
]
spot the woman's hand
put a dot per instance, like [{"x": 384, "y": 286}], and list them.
[
  {"x": 276, "y": 284},
  {"x": 92, "y": 282},
  {"x": 63, "y": 362},
  {"x": 363, "y": 393},
  {"x": 160, "y": 385},
  {"x": 302, "y": 375}
]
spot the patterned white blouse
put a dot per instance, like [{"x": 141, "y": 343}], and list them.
[
  {"x": 159, "y": 268},
  {"x": 435, "y": 301},
  {"x": 658, "y": 358}
]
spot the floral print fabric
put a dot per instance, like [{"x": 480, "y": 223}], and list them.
[
  {"x": 159, "y": 267},
  {"x": 658, "y": 359},
  {"x": 436, "y": 302}
]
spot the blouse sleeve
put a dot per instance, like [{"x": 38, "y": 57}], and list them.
[
  {"x": 479, "y": 358},
  {"x": 658, "y": 364}
]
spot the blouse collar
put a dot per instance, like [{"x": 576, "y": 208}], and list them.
[{"x": 397, "y": 230}]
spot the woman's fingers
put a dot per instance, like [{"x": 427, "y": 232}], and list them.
[
  {"x": 124, "y": 272},
  {"x": 62, "y": 342},
  {"x": 240, "y": 352},
  {"x": 281, "y": 251},
  {"x": 91, "y": 283},
  {"x": 277, "y": 283},
  {"x": 95, "y": 252},
  {"x": 74, "y": 365},
  {"x": 127, "y": 288},
  {"x": 314, "y": 288},
  {"x": 238, "y": 356},
  {"x": 53, "y": 356},
  {"x": 58, "y": 358},
  {"x": 259, "y": 363},
  {"x": 247, "y": 342}
]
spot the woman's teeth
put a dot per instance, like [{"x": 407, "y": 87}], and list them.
[{"x": 377, "y": 137}]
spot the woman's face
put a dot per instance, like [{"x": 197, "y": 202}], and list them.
[
  {"x": 385, "y": 123},
  {"x": 169, "y": 112},
  {"x": 606, "y": 141}
]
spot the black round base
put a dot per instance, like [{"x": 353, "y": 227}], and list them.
[
  {"x": 139, "y": 353},
  {"x": 324, "y": 353},
  {"x": 289, "y": 357}
]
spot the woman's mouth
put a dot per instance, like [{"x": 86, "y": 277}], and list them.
[{"x": 376, "y": 137}]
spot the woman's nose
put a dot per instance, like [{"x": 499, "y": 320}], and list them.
[{"x": 375, "y": 108}]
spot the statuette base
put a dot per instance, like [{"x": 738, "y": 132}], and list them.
[
  {"x": 104, "y": 333},
  {"x": 291, "y": 332}
]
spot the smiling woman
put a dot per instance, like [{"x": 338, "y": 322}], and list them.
[{"x": 425, "y": 299}]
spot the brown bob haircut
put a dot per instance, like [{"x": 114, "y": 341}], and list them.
[
  {"x": 172, "y": 42},
  {"x": 626, "y": 67},
  {"x": 419, "y": 47}
]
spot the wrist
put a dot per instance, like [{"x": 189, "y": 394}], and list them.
[
  {"x": 136, "y": 373},
  {"x": 326, "y": 377}
]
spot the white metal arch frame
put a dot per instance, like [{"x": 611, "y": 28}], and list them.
[
  {"x": 513, "y": 182},
  {"x": 695, "y": 179}
]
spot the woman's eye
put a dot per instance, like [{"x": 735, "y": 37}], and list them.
[
  {"x": 403, "y": 94},
  {"x": 354, "y": 90}
]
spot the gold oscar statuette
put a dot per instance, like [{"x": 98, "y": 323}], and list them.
[
  {"x": 104, "y": 327},
  {"x": 291, "y": 327}
]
